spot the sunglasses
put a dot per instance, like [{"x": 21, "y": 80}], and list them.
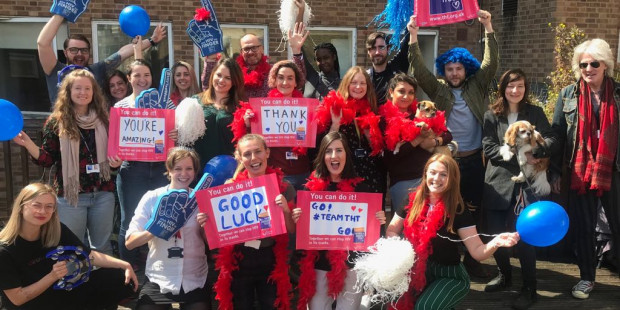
[{"x": 594, "y": 64}]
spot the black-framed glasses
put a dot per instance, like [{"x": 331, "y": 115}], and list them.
[
  {"x": 378, "y": 48},
  {"x": 594, "y": 64},
  {"x": 75, "y": 50},
  {"x": 252, "y": 49}
]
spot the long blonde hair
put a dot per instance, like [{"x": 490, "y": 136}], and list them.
[
  {"x": 50, "y": 231},
  {"x": 343, "y": 89},
  {"x": 64, "y": 113},
  {"x": 193, "y": 84},
  {"x": 451, "y": 197}
]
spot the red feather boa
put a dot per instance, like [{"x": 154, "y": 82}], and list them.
[
  {"x": 337, "y": 259},
  {"x": 420, "y": 234},
  {"x": 436, "y": 123},
  {"x": 254, "y": 78},
  {"x": 398, "y": 126},
  {"x": 228, "y": 259}
]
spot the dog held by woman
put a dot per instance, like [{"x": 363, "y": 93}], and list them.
[{"x": 522, "y": 137}]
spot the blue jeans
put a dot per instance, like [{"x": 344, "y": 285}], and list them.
[
  {"x": 95, "y": 213},
  {"x": 134, "y": 179},
  {"x": 400, "y": 193}
]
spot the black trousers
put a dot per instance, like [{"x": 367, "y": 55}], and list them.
[
  {"x": 250, "y": 281},
  {"x": 583, "y": 214}
]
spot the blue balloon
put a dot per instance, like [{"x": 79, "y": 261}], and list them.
[
  {"x": 221, "y": 167},
  {"x": 11, "y": 119},
  {"x": 134, "y": 21},
  {"x": 542, "y": 223}
]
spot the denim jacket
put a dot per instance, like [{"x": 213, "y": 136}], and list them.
[{"x": 565, "y": 124}]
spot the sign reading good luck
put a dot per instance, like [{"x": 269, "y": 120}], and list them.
[
  {"x": 241, "y": 211},
  {"x": 440, "y": 12},
  {"x": 140, "y": 134},
  {"x": 287, "y": 122},
  {"x": 337, "y": 220}
]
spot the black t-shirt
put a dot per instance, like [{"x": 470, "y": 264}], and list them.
[
  {"x": 323, "y": 263},
  {"x": 446, "y": 252},
  {"x": 23, "y": 263}
]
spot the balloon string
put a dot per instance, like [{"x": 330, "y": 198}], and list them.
[{"x": 459, "y": 240}]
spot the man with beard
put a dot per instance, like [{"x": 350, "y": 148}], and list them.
[
  {"x": 463, "y": 95},
  {"x": 77, "y": 51},
  {"x": 382, "y": 70}
]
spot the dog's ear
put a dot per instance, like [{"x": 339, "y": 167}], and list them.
[
  {"x": 511, "y": 134},
  {"x": 539, "y": 138}
]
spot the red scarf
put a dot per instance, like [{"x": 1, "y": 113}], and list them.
[
  {"x": 593, "y": 170},
  {"x": 398, "y": 125},
  {"x": 254, "y": 78},
  {"x": 175, "y": 97},
  {"x": 227, "y": 261},
  {"x": 337, "y": 259},
  {"x": 420, "y": 234},
  {"x": 353, "y": 110}
]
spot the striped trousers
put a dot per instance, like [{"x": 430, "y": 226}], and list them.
[{"x": 446, "y": 286}]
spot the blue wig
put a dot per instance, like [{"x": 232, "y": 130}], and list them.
[{"x": 458, "y": 54}]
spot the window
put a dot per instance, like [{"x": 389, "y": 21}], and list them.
[
  {"x": 343, "y": 39},
  {"x": 22, "y": 80},
  {"x": 509, "y": 7},
  {"x": 108, "y": 39},
  {"x": 231, "y": 35}
]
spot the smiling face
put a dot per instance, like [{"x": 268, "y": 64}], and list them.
[
  {"x": 253, "y": 156},
  {"x": 77, "y": 53},
  {"x": 285, "y": 81},
  {"x": 378, "y": 53},
  {"x": 402, "y": 96},
  {"x": 118, "y": 88},
  {"x": 182, "y": 174},
  {"x": 455, "y": 74},
  {"x": 437, "y": 178},
  {"x": 39, "y": 210},
  {"x": 140, "y": 79},
  {"x": 593, "y": 76},
  {"x": 358, "y": 86},
  {"x": 81, "y": 94},
  {"x": 182, "y": 78},
  {"x": 222, "y": 81},
  {"x": 515, "y": 91},
  {"x": 325, "y": 60},
  {"x": 335, "y": 160},
  {"x": 251, "y": 50}
]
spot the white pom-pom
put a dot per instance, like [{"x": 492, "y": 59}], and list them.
[
  {"x": 287, "y": 15},
  {"x": 384, "y": 271},
  {"x": 189, "y": 121}
]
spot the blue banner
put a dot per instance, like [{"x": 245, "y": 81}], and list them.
[
  {"x": 69, "y": 9},
  {"x": 207, "y": 34}
]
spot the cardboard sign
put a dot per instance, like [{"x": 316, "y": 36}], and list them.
[
  {"x": 140, "y": 134},
  {"x": 69, "y": 9},
  {"x": 241, "y": 211},
  {"x": 441, "y": 12},
  {"x": 287, "y": 122},
  {"x": 207, "y": 34},
  {"x": 156, "y": 99},
  {"x": 174, "y": 209},
  {"x": 337, "y": 220}
]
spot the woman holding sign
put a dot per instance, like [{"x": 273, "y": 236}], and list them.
[
  {"x": 75, "y": 139},
  {"x": 257, "y": 268},
  {"x": 176, "y": 269},
  {"x": 33, "y": 230},
  {"x": 327, "y": 275},
  {"x": 351, "y": 110},
  {"x": 435, "y": 221}
]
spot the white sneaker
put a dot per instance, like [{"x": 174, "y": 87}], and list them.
[{"x": 582, "y": 289}]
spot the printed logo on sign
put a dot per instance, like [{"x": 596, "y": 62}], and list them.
[
  {"x": 142, "y": 132},
  {"x": 445, "y": 6},
  {"x": 285, "y": 120},
  {"x": 337, "y": 219},
  {"x": 242, "y": 209}
]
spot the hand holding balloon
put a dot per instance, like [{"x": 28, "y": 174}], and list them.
[
  {"x": 134, "y": 21},
  {"x": 505, "y": 240}
]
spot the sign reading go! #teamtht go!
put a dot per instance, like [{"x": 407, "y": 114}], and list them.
[{"x": 241, "y": 211}]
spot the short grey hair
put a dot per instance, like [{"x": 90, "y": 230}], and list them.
[{"x": 597, "y": 48}]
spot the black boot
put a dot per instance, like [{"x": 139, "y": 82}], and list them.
[
  {"x": 498, "y": 283},
  {"x": 526, "y": 299}
]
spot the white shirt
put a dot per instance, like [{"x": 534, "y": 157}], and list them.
[{"x": 170, "y": 274}]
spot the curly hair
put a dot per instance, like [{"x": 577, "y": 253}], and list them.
[
  {"x": 597, "y": 48},
  {"x": 63, "y": 108},
  {"x": 458, "y": 54},
  {"x": 273, "y": 73}
]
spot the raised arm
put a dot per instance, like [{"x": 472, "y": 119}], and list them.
[
  {"x": 490, "y": 62},
  {"x": 47, "y": 54},
  {"x": 158, "y": 34},
  {"x": 426, "y": 79}
]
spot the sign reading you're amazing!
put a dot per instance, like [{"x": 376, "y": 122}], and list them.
[{"x": 140, "y": 134}]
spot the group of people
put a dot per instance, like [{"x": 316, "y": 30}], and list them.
[{"x": 369, "y": 140}]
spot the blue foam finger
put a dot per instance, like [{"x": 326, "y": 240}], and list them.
[
  {"x": 164, "y": 88},
  {"x": 69, "y": 9},
  {"x": 170, "y": 214}
]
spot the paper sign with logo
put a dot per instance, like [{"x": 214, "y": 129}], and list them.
[
  {"x": 69, "y": 9},
  {"x": 337, "y": 220},
  {"x": 287, "y": 122},
  {"x": 174, "y": 208},
  {"x": 140, "y": 134},
  {"x": 241, "y": 211},
  {"x": 441, "y": 12}
]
